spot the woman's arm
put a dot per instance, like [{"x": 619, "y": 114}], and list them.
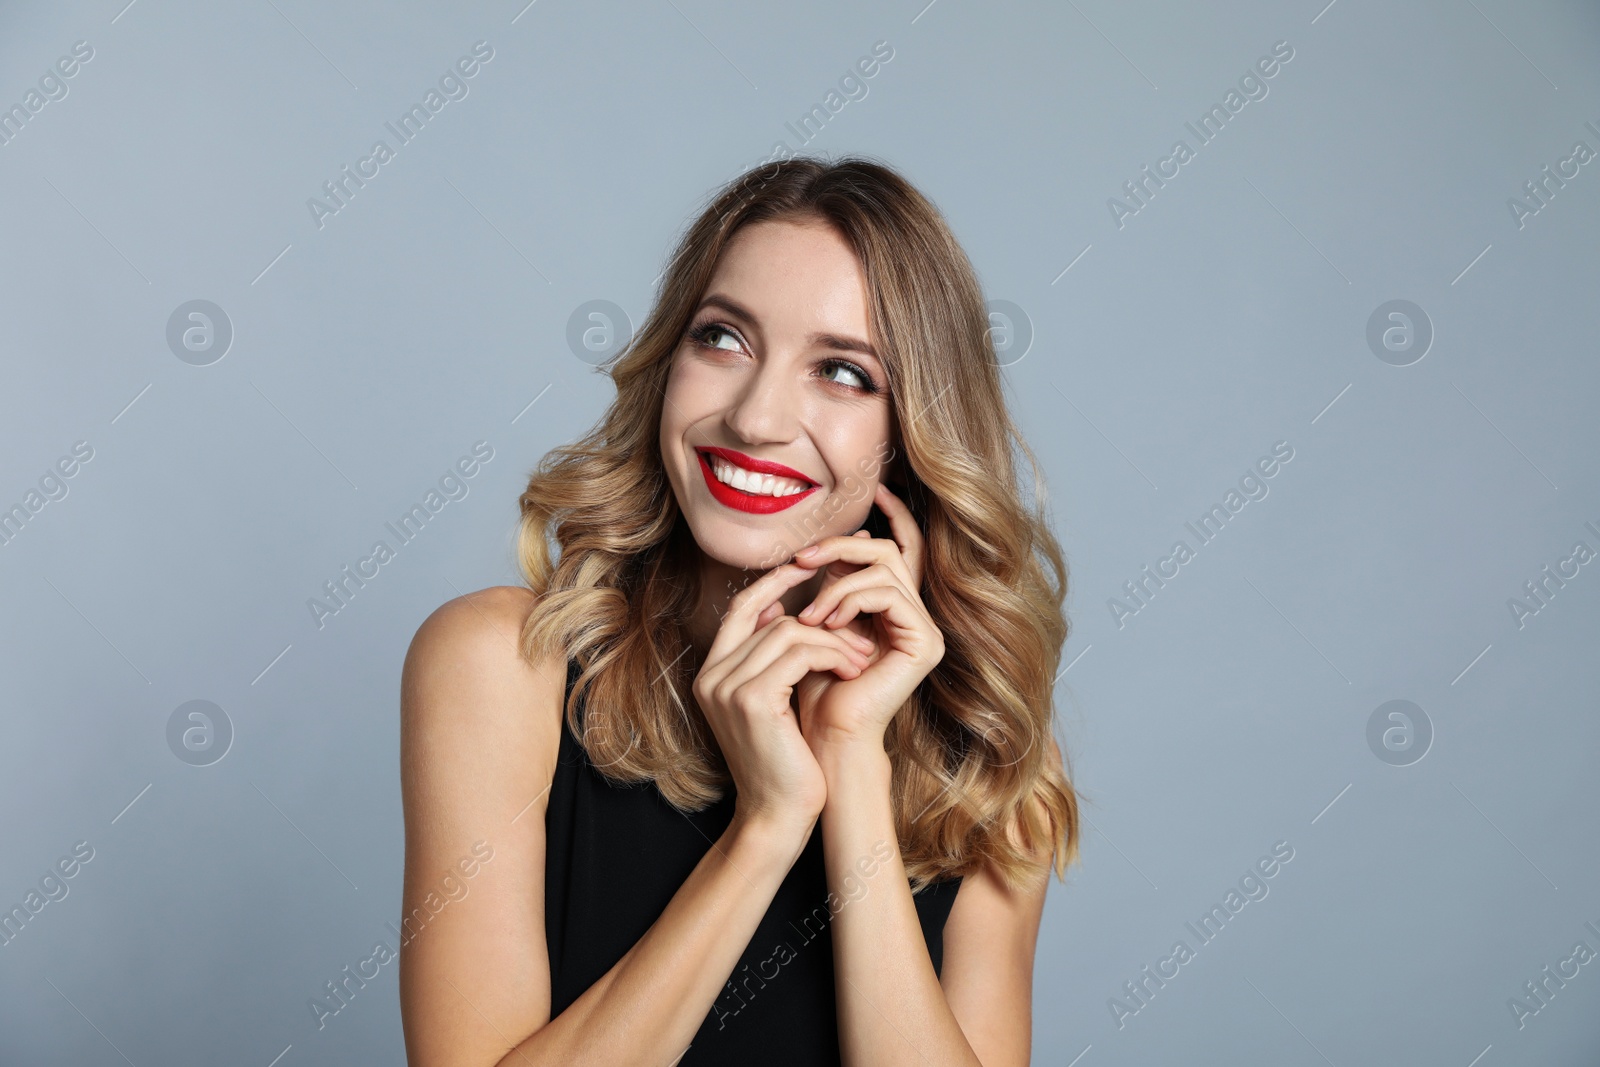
[
  {"x": 892, "y": 1008},
  {"x": 480, "y": 732},
  {"x": 990, "y": 940}
]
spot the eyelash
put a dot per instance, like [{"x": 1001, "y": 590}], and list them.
[{"x": 698, "y": 335}]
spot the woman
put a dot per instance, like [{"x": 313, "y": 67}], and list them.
[{"x": 748, "y": 803}]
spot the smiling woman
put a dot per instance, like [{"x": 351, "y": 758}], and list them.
[{"x": 808, "y": 628}]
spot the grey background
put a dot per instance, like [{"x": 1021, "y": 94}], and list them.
[{"x": 1228, "y": 314}]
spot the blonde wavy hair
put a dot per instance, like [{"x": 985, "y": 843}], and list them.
[{"x": 975, "y": 779}]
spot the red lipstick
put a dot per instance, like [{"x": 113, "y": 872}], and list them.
[{"x": 751, "y": 502}]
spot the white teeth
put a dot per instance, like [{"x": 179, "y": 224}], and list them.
[{"x": 750, "y": 482}]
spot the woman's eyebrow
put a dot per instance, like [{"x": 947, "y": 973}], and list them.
[{"x": 835, "y": 341}]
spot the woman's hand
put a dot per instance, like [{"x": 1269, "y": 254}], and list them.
[
  {"x": 871, "y": 589},
  {"x": 745, "y": 687}
]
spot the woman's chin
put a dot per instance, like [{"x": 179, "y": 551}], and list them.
[{"x": 746, "y": 550}]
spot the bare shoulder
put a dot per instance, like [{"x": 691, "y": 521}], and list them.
[
  {"x": 467, "y": 693},
  {"x": 479, "y": 739},
  {"x": 492, "y": 617}
]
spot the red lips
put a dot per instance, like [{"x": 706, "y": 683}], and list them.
[
  {"x": 750, "y": 502},
  {"x": 759, "y": 466}
]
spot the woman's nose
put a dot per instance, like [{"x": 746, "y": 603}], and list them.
[{"x": 766, "y": 408}]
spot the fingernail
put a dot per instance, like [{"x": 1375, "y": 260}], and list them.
[
  {"x": 810, "y": 608},
  {"x": 807, "y": 551}
]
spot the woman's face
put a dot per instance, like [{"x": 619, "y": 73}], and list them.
[{"x": 776, "y": 366}]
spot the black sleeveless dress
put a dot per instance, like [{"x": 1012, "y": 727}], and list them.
[{"x": 614, "y": 858}]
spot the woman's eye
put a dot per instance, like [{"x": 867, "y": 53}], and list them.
[
  {"x": 860, "y": 379},
  {"x": 708, "y": 333}
]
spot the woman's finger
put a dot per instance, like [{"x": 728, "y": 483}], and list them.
[
  {"x": 903, "y": 527},
  {"x": 891, "y": 604},
  {"x": 819, "y": 610},
  {"x": 775, "y": 609},
  {"x": 747, "y": 605},
  {"x": 764, "y": 654},
  {"x": 865, "y": 551},
  {"x": 835, "y": 572}
]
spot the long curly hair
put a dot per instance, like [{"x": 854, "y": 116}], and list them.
[{"x": 975, "y": 779}]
